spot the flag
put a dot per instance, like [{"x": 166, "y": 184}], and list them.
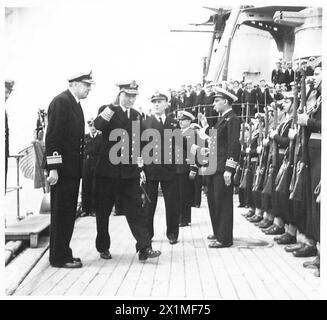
[{"x": 30, "y": 163}]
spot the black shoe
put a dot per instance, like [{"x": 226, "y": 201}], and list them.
[
  {"x": 93, "y": 214},
  {"x": 314, "y": 264},
  {"x": 172, "y": 241},
  {"x": 148, "y": 253},
  {"x": 255, "y": 219},
  {"x": 249, "y": 214},
  {"x": 68, "y": 265},
  {"x": 274, "y": 230},
  {"x": 218, "y": 245},
  {"x": 264, "y": 224},
  {"x": 241, "y": 205},
  {"x": 286, "y": 238},
  {"x": 294, "y": 247},
  {"x": 77, "y": 259},
  {"x": 105, "y": 255},
  {"x": 306, "y": 251},
  {"x": 211, "y": 237}
]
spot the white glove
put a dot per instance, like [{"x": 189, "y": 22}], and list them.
[
  {"x": 248, "y": 150},
  {"x": 292, "y": 133},
  {"x": 228, "y": 178},
  {"x": 265, "y": 142},
  {"x": 53, "y": 177},
  {"x": 259, "y": 149}
]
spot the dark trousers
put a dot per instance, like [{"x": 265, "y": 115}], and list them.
[
  {"x": 169, "y": 189},
  {"x": 184, "y": 196},
  {"x": 241, "y": 197},
  {"x": 64, "y": 196},
  {"x": 88, "y": 203},
  {"x": 314, "y": 176},
  {"x": 130, "y": 195},
  {"x": 220, "y": 202},
  {"x": 197, "y": 189}
]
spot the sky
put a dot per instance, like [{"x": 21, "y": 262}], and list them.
[
  {"x": 118, "y": 40},
  {"x": 46, "y": 41}
]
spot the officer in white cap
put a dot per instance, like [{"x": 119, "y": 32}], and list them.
[
  {"x": 120, "y": 178},
  {"x": 64, "y": 144},
  {"x": 225, "y": 145},
  {"x": 163, "y": 167}
]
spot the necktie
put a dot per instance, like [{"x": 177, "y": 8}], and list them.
[
  {"x": 160, "y": 120},
  {"x": 127, "y": 113}
]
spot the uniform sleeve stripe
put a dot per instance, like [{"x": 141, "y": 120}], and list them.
[
  {"x": 231, "y": 163},
  {"x": 54, "y": 159},
  {"x": 107, "y": 114}
]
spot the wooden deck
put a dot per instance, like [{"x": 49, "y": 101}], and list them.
[{"x": 251, "y": 269}]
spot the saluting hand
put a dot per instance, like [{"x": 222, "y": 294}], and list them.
[
  {"x": 228, "y": 178},
  {"x": 53, "y": 177}
]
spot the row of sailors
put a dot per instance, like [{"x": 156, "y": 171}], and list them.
[{"x": 283, "y": 192}]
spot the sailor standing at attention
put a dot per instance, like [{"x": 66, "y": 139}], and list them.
[{"x": 220, "y": 182}]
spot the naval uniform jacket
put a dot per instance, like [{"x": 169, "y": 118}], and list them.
[
  {"x": 111, "y": 118},
  {"x": 92, "y": 150},
  {"x": 159, "y": 170},
  {"x": 226, "y": 144},
  {"x": 64, "y": 141},
  {"x": 64, "y": 144}
]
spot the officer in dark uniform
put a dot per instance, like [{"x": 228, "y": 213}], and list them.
[
  {"x": 161, "y": 172},
  {"x": 9, "y": 87},
  {"x": 64, "y": 143},
  {"x": 226, "y": 145},
  {"x": 186, "y": 172},
  {"x": 93, "y": 141},
  {"x": 118, "y": 172}
]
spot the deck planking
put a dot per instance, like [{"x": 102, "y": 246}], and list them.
[{"x": 187, "y": 270}]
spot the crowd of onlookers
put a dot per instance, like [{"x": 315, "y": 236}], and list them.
[{"x": 255, "y": 93}]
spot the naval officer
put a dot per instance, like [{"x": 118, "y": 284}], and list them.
[
  {"x": 220, "y": 182},
  {"x": 64, "y": 144},
  {"x": 120, "y": 178},
  {"x": 161, "y": 171}
]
